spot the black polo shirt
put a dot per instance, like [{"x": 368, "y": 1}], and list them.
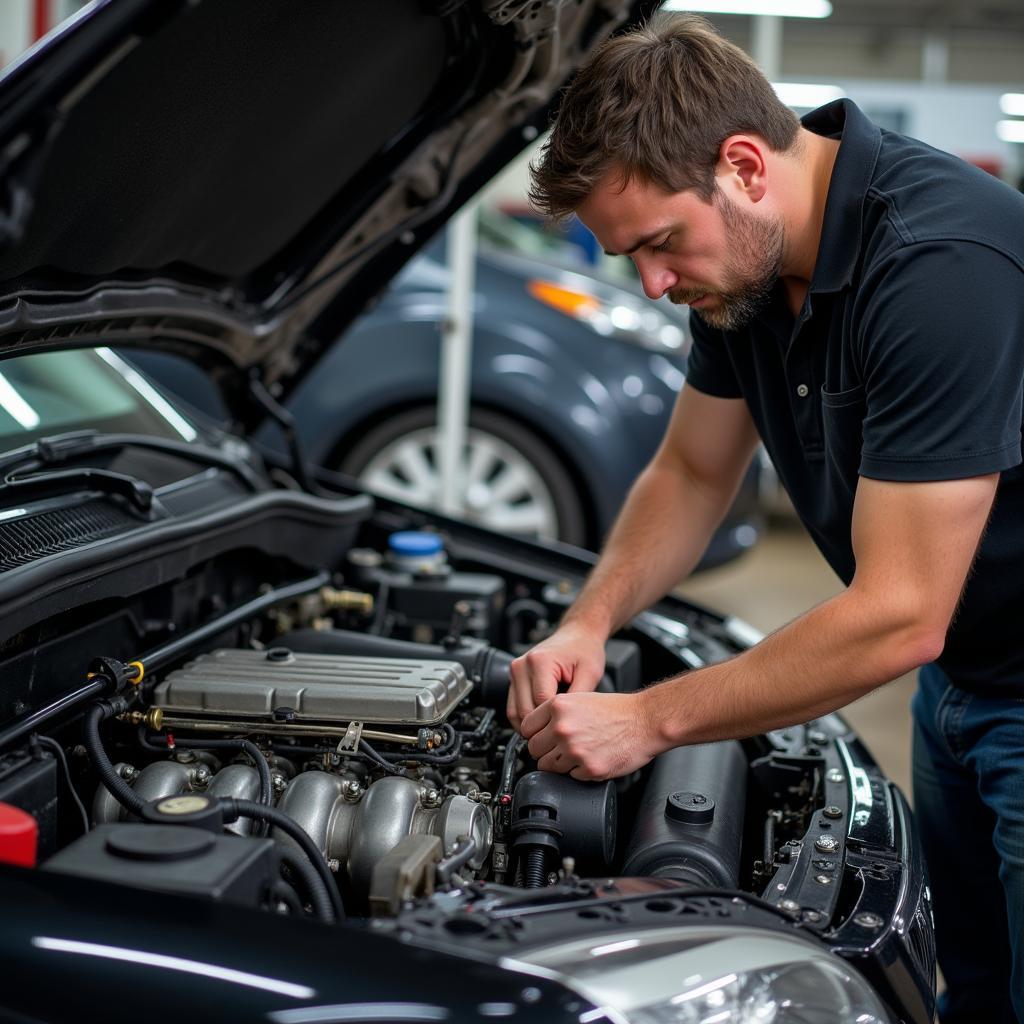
[{"x": 906, "y": 363}]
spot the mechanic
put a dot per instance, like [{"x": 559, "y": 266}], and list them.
[{"x": 858, "y": 306}]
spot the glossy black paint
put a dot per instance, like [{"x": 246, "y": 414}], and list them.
[
  {"x": 122, "y": 956},
  {"x": 865, "y": 893}
]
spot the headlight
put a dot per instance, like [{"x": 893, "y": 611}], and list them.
[
  {"x": 612, "y": 311},
  {"x": 695, "y": 975}
]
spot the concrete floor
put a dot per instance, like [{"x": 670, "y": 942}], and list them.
[{"x": 783, "y": 576}]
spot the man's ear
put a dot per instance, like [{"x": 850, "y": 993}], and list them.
[{"x": 742, "y": 166}]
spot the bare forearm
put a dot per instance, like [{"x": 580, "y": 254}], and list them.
[
  {"x": 820, "y": 662},
  {"x": 657, "y": 540},
  {"x": 913, "y": 545}
]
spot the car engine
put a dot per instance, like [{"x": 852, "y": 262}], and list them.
[
  {"x": 372, "y": 718},
  {"x": 357, "y": 812}
]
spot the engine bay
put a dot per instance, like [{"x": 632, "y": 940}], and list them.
[
  {"x": 338, "y": 745},
  {"x": 373, "y": 716}
]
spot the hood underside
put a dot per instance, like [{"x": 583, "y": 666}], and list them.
[{"x": 235, "y": 180}]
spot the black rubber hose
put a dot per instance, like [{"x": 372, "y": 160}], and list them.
[
  {"x": 508, "y": 763},
  {"x": 235, "y": 743},
  {"x": 118, "y": 788},
  {"x": 283, "y": 891},
  {"x": 308, "y": 750},
  {"x": 366, "y": 752},
  {"x": 480, "y": 731},
  {"x": 278, "y": 819},
  {"x": 254, "y": 752},
  {"x": 250, "y": 748},
  {"x": 147, "y": 744},
  {"x": 319, "y": 895},
  {"x": 233, "y": 809},
  {"x": 380, "y": 761}
]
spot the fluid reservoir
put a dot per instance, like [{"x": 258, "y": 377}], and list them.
[
  {"x": 416, "y": 551},
  {"x": 690, "y": 822}
]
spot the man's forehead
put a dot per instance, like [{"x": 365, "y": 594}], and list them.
[{"x": 626, "y": 213}]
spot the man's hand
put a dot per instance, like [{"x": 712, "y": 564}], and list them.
[
  {"x": 573, "y": 655},
  {"x": 591, "y": 736}
]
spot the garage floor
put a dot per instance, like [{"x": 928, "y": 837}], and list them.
[{"x": 782, "y": 577}]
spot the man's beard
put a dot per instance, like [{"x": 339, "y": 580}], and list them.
[{"x": 753, "y": 268}]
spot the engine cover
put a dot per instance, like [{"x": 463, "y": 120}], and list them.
[{"x": 266, "y": 686}]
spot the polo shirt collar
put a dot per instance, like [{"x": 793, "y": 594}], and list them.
[{"x": 860, "y": 141}]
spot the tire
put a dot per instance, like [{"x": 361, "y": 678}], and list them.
[{"x": 514, "y": 482}]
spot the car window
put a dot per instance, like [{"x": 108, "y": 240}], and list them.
[{"x": 55, "y": 392}]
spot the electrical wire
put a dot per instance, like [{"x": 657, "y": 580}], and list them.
[
  {"x": 447, "y": 753},
  {"x": 53, "y": 745}
]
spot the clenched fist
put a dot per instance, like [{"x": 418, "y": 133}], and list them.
[{"x": 592, "y": 736}]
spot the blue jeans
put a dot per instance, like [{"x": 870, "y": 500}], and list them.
[{"x": 969, "y": 812}]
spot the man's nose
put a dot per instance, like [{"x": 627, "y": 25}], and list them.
[{"x": 655, "y": 277}]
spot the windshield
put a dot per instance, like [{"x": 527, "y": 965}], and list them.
[{"x": 81, "y": 389}]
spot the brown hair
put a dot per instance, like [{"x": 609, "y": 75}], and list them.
[{"x": 657, "y": 103}]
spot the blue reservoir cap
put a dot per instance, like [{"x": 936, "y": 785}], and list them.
[{"x": 415, "y": 543}]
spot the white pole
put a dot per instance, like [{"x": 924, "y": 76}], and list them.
[
  {"x": 935, "y": 58},
  {"x": 456, "y": 355},
  {"x": 767, "y": 45}
]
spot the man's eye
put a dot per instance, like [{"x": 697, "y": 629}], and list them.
[{"x": 664, "y": 245}]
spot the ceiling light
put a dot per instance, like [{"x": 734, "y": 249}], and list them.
[
  {"x": 1010, "y": 131},
  {"x": 805, "y": 94},
  {"x": 778, "y": 8},
  {"x": 16, "y": 407},
  {"x": 1012, "y": 103}
]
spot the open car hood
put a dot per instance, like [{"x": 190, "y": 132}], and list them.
[{"x": 235, "y": 180}]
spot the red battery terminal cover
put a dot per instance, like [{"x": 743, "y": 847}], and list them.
[{"x": 19, "y": 836}]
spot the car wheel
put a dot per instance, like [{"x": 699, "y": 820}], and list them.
[{"x": 511, "y": 480}]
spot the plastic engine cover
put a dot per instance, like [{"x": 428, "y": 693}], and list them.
[{"x": 241, "y": 684}]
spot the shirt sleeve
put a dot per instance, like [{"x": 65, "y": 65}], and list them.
[
  {"x": 941, "y": 341},
  {"x": 708, "y": 367}
]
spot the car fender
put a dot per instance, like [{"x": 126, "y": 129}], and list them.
[{"x": 516, "y": 368}]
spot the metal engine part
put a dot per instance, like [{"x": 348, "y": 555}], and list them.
[
  {"x": 280, "y": 691},
  {"x": 172, "y": 778},
  {"x": 359, "y": 830},
  {"x": 327, "y": 695},
  {"x": 355, "y": 826}
]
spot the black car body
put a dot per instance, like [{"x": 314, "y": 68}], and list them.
[{"x": 278, "y": 712}]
